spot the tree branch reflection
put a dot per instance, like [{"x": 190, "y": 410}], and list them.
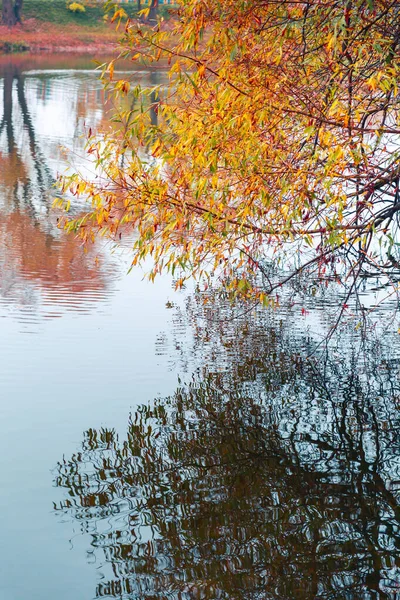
[{"x": 285, "y": 486}]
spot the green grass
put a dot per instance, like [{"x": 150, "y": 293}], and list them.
[{"x": 56, "y": 11}]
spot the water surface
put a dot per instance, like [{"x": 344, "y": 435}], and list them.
[
  {"x": 157, "y": 446},
  {"x": 79, "y": 339}
]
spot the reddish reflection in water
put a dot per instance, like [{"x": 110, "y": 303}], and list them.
[
  {"x": 47, "y": 104},
  {"x": 42, "y": 258},
  {"x": 39, "y": 111}
]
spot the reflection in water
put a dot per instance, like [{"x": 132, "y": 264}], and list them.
[
  {"x": 53, "y": 383},
  {"x": 32, "y": 255},
  {"x": 278, "y": 479},
  {"x": 17, "y": 181},
  {"x": 39, "y": 265},
  {"x": 267, "y": 476},
  {"x": 43, "y": 108}
]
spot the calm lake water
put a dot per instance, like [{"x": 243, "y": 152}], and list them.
[{"x": 155, "y": 447}]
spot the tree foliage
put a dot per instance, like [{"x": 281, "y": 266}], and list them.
[{"x": 276, "y": 142}]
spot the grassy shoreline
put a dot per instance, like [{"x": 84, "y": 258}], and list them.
[{"x": 48, "y": 26}]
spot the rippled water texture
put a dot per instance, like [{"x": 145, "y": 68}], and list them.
[
  {"x": 277, "y": 476},
  {"x": 157, "y": 446}
]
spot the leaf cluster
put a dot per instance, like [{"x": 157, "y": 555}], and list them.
[{"x": 276, "y": 136}]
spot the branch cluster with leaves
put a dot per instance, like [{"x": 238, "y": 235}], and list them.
[{"x": 277, "y": 136}]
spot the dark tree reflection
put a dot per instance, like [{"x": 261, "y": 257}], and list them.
[
  {"x": 39, "y": 266},
  {"x": 19, "y": 179},
  {"x": 283, "y": 486}
]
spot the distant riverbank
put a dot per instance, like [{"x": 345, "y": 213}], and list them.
[
  {"x": 35, "y": 36},
  {"x": 49, "y": 26}
]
